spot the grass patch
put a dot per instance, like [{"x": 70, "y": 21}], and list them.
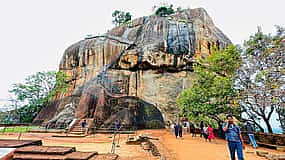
[{"x": 17, "y": 129}]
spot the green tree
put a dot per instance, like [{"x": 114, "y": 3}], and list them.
[
  {"x": 120, "y": 17},
  {"x": 164, "y": 11},
  {"x": 35, "y": 92},
  {"x": 261, "y": 79},
  {"x": 211, "y": 95}
]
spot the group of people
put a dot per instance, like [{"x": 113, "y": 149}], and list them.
[
  {"x": 205, "y": 131},
  {"x": 228, "y": 130}
]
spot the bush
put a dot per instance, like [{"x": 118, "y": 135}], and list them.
[
  {"x": 164, "y": 11},
  {"x": 154, "y": 124}
]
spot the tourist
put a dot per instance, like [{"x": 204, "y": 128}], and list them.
[
  {"x": 250, "y": 133},
  {"x": 185, "y": 126},
  {"x": 234, "y": 138},
  {"x": 210, "y": 131},
  {"x": 192, "y": 130},
  {"x": 168, "y": 124},
  {"x": 205, "y": 133},
  {"x": 176, "y": 128},
  {"x": 180, "y": 130},
  {"x": 201, "y": 129},
  {"x": 221, "y": 132},
  {"x": 117, "y": 125},
  {"x": 83, "y": 125},
  {"x": 172, "y": 127}
]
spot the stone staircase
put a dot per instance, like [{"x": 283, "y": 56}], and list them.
[{"x": 77, "y": 129}]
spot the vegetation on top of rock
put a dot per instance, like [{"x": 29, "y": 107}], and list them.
[
  {"x": 212, "y": 93},
  {"x": 120, "y": 17},
  {"x": 30, "y": 96},
  {"x": 163, "y": 11}
]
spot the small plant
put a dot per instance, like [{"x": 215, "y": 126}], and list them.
[{"x": 154, "y": 124}]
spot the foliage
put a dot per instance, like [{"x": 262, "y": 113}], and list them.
[
  {"x": 211, "y": 95},
  {"x": 18, "y": 129},
  {"x": 260, "y": 80},
  {"x": 154, "y": 124},
  {"x": 163, "y": 11},
  {"x": 34, "y": 93},
  {"x": 121, "y": 17}
]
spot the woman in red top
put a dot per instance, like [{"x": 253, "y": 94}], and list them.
[{"x": 210, "y": 131}]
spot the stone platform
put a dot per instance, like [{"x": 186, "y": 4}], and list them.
[{"x": 9, "y": 143}]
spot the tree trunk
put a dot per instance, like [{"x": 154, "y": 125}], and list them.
[{"x": 268, "y": 126}]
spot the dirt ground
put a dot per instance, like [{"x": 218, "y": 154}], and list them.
[
  {"x": 188, "y": 148},
  {"x": 196, "y": 148}
]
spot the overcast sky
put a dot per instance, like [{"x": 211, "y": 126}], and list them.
[{"x": 35, "y": 33}]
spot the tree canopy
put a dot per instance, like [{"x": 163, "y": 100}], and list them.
[
  {"x": 37, "y": 90},
  {"x": 164, "y": 11},
  {"x": 120, "y": 17},
  {"x": 260, "y": 80},
  {"x": 212, "y": 93}
]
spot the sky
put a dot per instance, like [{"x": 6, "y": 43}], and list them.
[{"x": 35, "y": 33}]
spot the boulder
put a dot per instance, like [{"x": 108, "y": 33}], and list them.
[{"x": 135, "y": 71}]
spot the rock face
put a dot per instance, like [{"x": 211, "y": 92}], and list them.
[{"x": 135, "y": 71}]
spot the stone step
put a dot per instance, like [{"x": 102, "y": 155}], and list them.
[
  {"x": 53, "y": 150},
  {"x": 76, "y": 132},
  {"x": 105, "y": 157},
  {"x": 69, "y": 156},
  {"x": 10, "y": 143}
]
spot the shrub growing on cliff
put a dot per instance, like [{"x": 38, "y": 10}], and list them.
[
  {"x": 34, "y": 93},
  {"x": 120, "y": 17},
  {"x": 211, "y": 95},
  {"x": 164, "y": 11}
]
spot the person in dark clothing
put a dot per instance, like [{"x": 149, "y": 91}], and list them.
[
  {"x": 83, "y": 125},
  {"x": 176, "y": 128},
  {"x": 117, "y": 125},
  {"x": 221, "y": 132},
  {"x": 250, "y": 133},
  {"x": 192, "y": 130},
  {"x": 180, "y": 130},
  {"x": 201, "y": 129}
]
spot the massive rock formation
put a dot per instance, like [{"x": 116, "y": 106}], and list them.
[{"x": 135, "y": 71}]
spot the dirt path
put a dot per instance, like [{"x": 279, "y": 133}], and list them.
[
  {"x": 196, "y": 148},
  {"x": 188, "y": 148}
]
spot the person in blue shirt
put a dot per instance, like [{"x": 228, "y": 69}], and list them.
[
  {"x": 234, "y": 138},
  {"x": 250, "y": 133}
]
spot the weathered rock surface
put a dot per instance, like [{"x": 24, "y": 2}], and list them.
[{"x": 135, "y": 72}]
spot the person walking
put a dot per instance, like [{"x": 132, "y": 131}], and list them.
[
  {"x": 234, "y": 138},
  {"x": 180, "y": 130},
  {"x": 205, "y": 133},
  {"x": 117, "y": 125},
  {"x": 250, "y": 133},
  {"x": 83, "y": 126},
  {"x": 201, "y": 129},
  {"x": 176, "y": 128},
  {"x": 221, "y": 132},
  {"x": 192, "y": 130},
  {"x": 210, "y": 131}
]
